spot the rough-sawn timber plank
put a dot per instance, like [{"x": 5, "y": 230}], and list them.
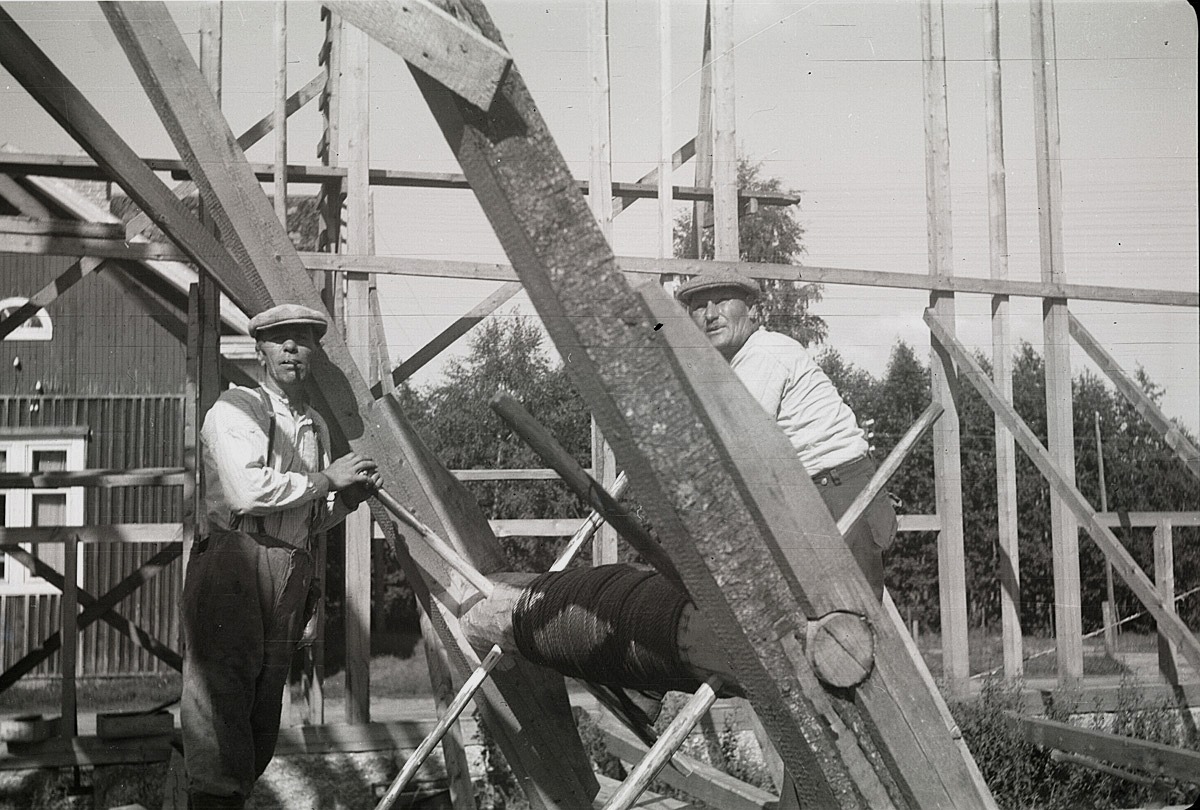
[{"x": 710, "y": 515}]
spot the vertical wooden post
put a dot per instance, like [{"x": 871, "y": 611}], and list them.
[
  {"x": 281, "y": 150},
  {"x": 725, "y": 159},
  {"x": 666, "y": 151},
  {"x": 69, "y": 725},
  {"x": 947, "y": 462},
  {"x": 356, "y": 109},
  {"x": 379, "y": 373},
  {"x": 329, "y": 207},
  {"x": 1110, "y": 621},
  {"x": 1164, "y": 578},
  {"x": 702, "y": 211},
  {"x": 1006, "y": 460},
  {"x": 604, "y": 465},
  {"x": 1068, "y": 619},
  {"x": 202, "y": 383}
]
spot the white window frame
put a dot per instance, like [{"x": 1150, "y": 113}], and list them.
[
  {"x": 19, "y": 446},
  {"x": 27, "y": 330}
]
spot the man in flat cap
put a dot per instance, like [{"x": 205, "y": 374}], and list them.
[
  {"x": 269, "y": 486},
  {"x": 791, "y": 387}
]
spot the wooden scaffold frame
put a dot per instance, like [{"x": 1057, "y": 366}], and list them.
[{"x": 882, "y": 739}]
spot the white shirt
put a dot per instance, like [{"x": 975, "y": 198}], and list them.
[
  {"x": 792, "y": 388},
  {"x": 239, "y": 479}
]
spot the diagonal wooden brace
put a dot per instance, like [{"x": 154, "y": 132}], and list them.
[
  {"x": 252, "y": 234},
  {"x": 434, "y": 42},
  {"x": 1169, "y": 622},
  {"x": 583, "y": 485},
  {"x": 101, "y": 608},
  {"x": 51, "y": 88}
]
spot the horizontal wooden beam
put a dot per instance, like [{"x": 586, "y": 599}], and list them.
[
  {"x": 61, "y": 227},
  {"x": 505, "y": 475},
  {"x": 434, "y": 42},
  {"x": 145, "y": 477},
  {"x": 631, "y": 265},
  {"x": 636, "y": 265},
  {"x": 112, "y": 533},
  {"x": 79, "y": 168},
  {"x": 1128, "y": 752},
  {"x": 1147, "y": 519}
]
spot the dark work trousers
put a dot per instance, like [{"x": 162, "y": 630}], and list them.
[
  {"x": 242, "y": 610},
  {"x": 875, "y": 530},
  {"x": 867, "y": 538}
]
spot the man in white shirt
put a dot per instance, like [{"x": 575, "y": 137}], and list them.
[
  {"x": 269, "y": 487},
  {"x": 791, "y": 387}
]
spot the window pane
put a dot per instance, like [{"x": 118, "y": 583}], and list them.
[
  {"x": 3, "y": 461},
  {"x": 3, "y": 522},
  {"x": 49, "y": 508},
  {"x": 49, "y": 461}
]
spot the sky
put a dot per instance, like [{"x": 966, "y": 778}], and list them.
[{"x": 829, "y": 99}]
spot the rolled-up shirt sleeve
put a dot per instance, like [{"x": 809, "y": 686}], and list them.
[{"x": 235, "y": 442}]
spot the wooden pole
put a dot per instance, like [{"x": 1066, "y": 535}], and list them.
[
  {"x": 1006, "y": 452},
  {"x": 725, "y": 158},
  {"x": 439, "y": 546},
  {"x": 666, "y": 153},
  {"x": 1068, "y": 617},
  {"x": 665, "y": 746},
  {"x": 443, "y": 725},
  {"x": 458, "y": 771},
  {"x": 1110, "y": 619},
  {"x": 281, "y": 150},
  {"x": 355, "y": 109},
  {"x": 69, "y": 725},
  {"x": 588, "y": 529},
  {"x": 604, "y": 465},
  {"x": 947, "y": 463},
  {"x": 1164, "y": 580},
  {"x": 702, "y": 211}
]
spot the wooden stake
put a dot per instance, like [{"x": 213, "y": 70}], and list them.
[
  {"x": 462, "y": 792},
  {"x": 665, "y": 747},
  {"x": 419, "y": 756},
  {"x": 702, "y": 211},
  {"x": 1164, "y": 580}
]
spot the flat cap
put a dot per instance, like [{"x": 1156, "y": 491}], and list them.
[
  {"x": 288, "y": 314},
  {"x": 717, "y": 279}
]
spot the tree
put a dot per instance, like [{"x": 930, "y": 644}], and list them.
[{"x": 772, "y": 235}]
